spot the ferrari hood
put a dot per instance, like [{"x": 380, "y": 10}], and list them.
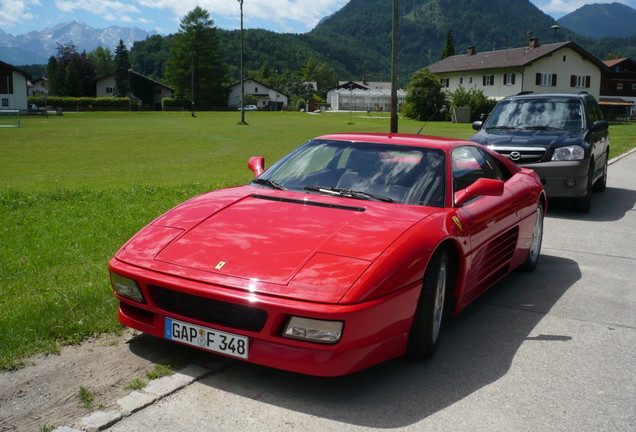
[
  {"x": 276, "y": 239},
  {"x": 270, "y": 239}
]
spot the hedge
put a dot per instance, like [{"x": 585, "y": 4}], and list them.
[{"x": 83, "y": 103}]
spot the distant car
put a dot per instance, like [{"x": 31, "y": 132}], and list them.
[
  {"x": 562, "y": 137},
  {"x": 248, "y": 108},
  {"x": 347, "y": 252}
]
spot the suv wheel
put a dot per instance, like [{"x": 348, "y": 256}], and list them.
[
  {"x": 584, "y": 203},
  {"x": 601, "y": 183}
]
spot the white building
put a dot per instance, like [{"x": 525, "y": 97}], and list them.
[
  {"x": 105, "y": 87},
  {"x": 13, "y": 87},
  {"x": 363, "y": 96},
  {"x": 267, "y": 98},
  {"x": 561, "y": 67}
]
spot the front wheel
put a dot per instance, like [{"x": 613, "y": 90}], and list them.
[
  {"x": 537, "y": 239},
  {"x": 429, "y": 314},
  {"x": 601, "y": 183},
  {"x": 584, "y": 203}
]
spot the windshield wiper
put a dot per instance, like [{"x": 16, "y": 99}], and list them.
[
  {"x": 269, "y": 183},
  {"x": 348, "y": 193},
  {"x": 541, "y": 128},
  {"x": 501, "y": 127}
]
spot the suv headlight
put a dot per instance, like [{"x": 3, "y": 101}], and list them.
[{"x": 569, "y": 153}]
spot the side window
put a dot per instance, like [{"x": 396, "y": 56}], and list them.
[
  {"x": 471, "y": 163},
  {"x": 591, "y": 113}
]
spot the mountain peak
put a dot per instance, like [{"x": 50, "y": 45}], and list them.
[
  {"x": 601, "y": 20},
  {"x": 36, "y": 47}
]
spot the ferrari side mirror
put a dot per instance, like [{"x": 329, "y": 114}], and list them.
[
  {"x": 257, "y": 165},
  {"x": 481, "y": 187}
]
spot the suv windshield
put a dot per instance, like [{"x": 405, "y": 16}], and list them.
[{"x": 537, "y": 114}]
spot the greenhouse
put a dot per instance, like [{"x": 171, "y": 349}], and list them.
[{"x": 363, "y": 100}]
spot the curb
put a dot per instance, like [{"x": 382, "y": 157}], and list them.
[{"x": 137, "y": 400}]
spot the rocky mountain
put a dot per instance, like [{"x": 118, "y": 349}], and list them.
[
  {"x": 37, "y": 47},
  {"x": 602, "y": 20}
]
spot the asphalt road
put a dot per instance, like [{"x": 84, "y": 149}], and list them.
[{"x": 551, "y": 350}]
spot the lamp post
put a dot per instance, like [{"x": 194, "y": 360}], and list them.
[
  {"x": 555, "y": 27},
  {"x": 394, "y": 43},
  {"x": 241, "y": 67}
]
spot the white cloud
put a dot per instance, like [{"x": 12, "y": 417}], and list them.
[
  {"x": 14, "y": 12},
  {"x": 305, "y": 12},
  {"x": 109, "y": 9}
]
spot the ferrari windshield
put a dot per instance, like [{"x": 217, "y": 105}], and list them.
[
  {"x": 538, "y": 114},
  {"x": 369, "y": 171}
]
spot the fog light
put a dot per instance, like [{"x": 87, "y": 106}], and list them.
[
  {"x": 570, "y": 183},
  {"x": 313, "y": 330},
  {"x": 126, "y": 287}
]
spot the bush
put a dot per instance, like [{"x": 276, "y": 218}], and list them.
[
  {"x": 173, "y": 104},
  {"x": 475, "y": 99},
  {"x": 84, "y": 103}
]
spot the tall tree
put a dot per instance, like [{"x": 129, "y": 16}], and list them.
[
  {"x": 122, "y": 70},
  {"x": 71, "y": 73},
  {"x": 102, "y": 58},
  {"x": 194, "y": 66},
  {"x": 449, "y": 46}
]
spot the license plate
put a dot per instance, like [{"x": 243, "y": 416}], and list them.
[{"x": 207, "y": 338}]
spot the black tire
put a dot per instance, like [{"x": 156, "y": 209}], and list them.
[
  {"x": 584, "y": 203},
  {"x": 537, "y": 239},
  {"x": 431, "y": 306},
  {"x": 601, "y": 184}
]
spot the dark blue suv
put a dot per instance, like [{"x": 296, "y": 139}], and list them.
[{"x": 562, "y": 137}]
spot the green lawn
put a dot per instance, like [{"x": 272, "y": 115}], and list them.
[{"x": 74, "y": 188}]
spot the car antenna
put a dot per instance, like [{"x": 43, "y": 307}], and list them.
[{"x": 428, "y": 121}]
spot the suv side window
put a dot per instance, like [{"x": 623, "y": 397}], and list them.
[{"x": 591, "y": 112}]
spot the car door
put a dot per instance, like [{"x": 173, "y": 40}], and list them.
[{"x": 487, "y": 222}]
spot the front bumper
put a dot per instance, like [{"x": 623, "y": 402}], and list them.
[
  {"x": 374, "y": 331},
  {"x": 562, "y": 179}
]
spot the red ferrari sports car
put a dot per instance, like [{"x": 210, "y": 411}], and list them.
[{"x": 347, "y": 252}]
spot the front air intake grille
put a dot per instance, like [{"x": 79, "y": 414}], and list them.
[{"x": 208, "y": 310}]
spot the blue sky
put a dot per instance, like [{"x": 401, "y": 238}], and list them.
[{"x": 296, "y": 16}]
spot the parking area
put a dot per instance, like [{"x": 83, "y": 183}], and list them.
[{"x": 554, "y": 350}]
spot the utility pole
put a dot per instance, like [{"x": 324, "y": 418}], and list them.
[
  {"x": 394, "y": 48},
  {"x": 241, "y": 67}
]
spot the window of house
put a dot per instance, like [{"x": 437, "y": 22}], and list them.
[
  {"x": 445, "y": 82},
  {"x": 619, "y": 86},
  {"x": 470, "y": 80},
  {"x": 255, "y": 89},
  {"x": 489, "y": 80},
  {"x": 461, "y": 80},
  {"x": 564, "y": 59},
  {"x": 580, "y": 81},
  {"x": 546, "y": 79},
  {"x": 158, "y": 91},
  {"x": 109, "y": 90},
  {"x": 509, "y": 79},
  {"x": 5, "y": 102}
]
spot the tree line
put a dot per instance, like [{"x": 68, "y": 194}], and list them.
[{"x": 193, "y": 61}]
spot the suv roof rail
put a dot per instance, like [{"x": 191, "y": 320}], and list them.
[
  {"x": 524, "y": 93},
  {"x": 583, "y": 92}
]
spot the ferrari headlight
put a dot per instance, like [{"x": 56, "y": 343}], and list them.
[
  {"x": 126, "y": 287},
  {"x": 568, "y": 153},
  {"x": 313, "y": 330}
]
